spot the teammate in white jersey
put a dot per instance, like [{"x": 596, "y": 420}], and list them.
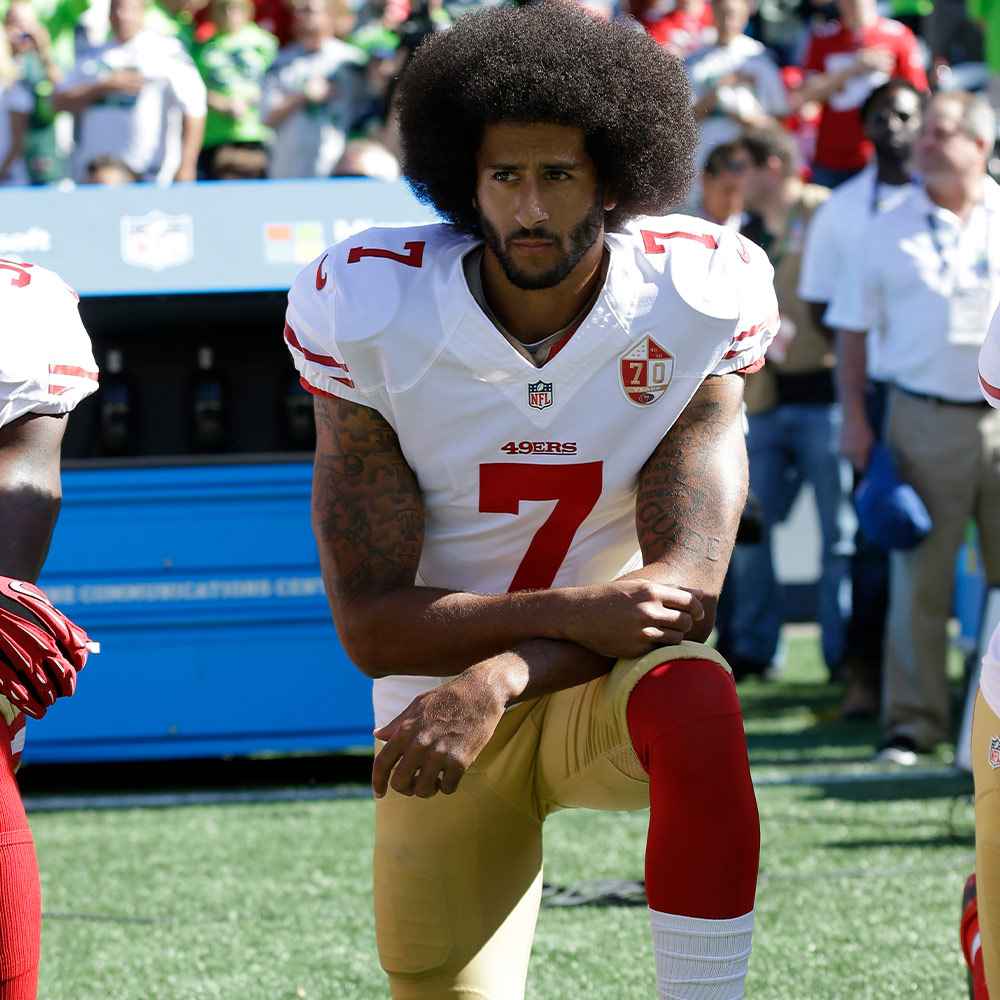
[
  {"x": 980, "y": 932},
  {"x": 529, "y": 473},
  {"x": 46, "y": 368}
]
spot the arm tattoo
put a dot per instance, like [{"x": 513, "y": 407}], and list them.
[
  {"x": 693, "y": 487},
  {"x": 368, "y": 513}
]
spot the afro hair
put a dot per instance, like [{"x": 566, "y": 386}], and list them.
[{"x": 547, "y": 62}]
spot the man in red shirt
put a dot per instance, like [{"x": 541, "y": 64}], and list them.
[
  {"x": 846, "y": 60},
  {"x": 688, "y": 26}
]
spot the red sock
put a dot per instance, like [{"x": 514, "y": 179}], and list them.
[
  {"x": 703, "y": 844},
  {"x": 20, "y": 894},
  {"x": 972, "y": 950}
]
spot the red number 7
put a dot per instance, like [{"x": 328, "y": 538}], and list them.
[
  {"x": 575, "y": 488},
  {"x": 414, "y": 256}
]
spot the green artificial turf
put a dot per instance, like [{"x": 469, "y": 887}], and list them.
[{"x": 861, "y": 874}]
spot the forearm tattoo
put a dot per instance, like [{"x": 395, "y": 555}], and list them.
[
  {"x": 693, "y": 487},
  {"x": 368, "y": 513}
]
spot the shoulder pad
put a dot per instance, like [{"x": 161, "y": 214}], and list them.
[
  {"x": 708, "y": 265},
  {"x": 375, "y": 296},
  {"x": 46, "y": 361}
]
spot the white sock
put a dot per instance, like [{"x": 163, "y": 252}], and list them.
[{"x": 700, "y": 959}]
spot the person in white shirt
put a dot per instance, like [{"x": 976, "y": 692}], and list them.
[
  {"x": 926, "y": 276},
  {"x": 139, "y": 98},
  {"x": 310, "y": 96},
  {"x": 735, "y": 82},
  {"x": 891, "y": 116}
]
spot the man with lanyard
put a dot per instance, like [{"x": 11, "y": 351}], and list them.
[
  {"x": 891, "y": 116},
  {"x": 925, "y": 278},
  {"x": 793, "y": 424}
]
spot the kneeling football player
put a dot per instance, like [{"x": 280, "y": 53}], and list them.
[{"x": 529, "y": 474}]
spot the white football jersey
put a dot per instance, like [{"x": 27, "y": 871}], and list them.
[
  {"x": 989, "y": 384},
  {"x": 528, "y": 474},
  {"x": 46, "y": 362}
]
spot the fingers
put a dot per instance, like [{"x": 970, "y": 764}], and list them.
[
  {"x": 679, "y": 599},
  {"x": 385, "y": 760}
]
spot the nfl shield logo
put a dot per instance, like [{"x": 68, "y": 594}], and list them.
[
  {"x": 645, "y": 370},
  {"x": 994, "y": 757},
  {"x": 156, "y": 240},
  {"x": 539, "y": 395}
]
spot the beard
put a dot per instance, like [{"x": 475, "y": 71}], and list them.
[{"x": 581, "y": 238}]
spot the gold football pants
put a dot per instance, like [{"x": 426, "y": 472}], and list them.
[{"x": 458, "y": 877}]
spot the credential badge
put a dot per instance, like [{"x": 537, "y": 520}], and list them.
[
  {"x": 994, "y": 757},
  {"x": 645, "y": 370},
  {"x": 539, "y": 395}
]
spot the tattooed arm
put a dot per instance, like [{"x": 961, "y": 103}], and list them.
[{"x": 692, "y": 491}]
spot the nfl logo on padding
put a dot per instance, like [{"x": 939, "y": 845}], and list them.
[
  {"x": 539, "y": 395},
  {"x": 995, "y": 752}
]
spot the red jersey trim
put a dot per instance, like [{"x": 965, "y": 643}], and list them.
[
  {"x": 319, "y": 392},
  {"x": 74, "y": 370},
  {"x": 319, "y": 359},
  {"x": 991, "y": 390}
]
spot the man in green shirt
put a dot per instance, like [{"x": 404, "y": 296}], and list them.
[{"x": 233, "y": 63}]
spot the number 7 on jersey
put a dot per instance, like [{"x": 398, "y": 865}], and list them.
[{"x": 575, "y": 488}]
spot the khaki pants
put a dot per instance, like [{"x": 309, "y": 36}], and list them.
[
  {"x": 458, "y": 878},
  {"x": 985, "y": 729},
  {"x": 951, "y": 456}
]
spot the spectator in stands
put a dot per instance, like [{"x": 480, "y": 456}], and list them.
[
  {"x": 734, "y": 81},
  {"x": 109, "y": 172},
  {"x": 31, "y": 45},
  {"x": 367, "y": 158},
  {"x": 15, "y": 109},
  {"x": 311, "y": 96},
  {"x": 139, "y": 98},
  {"x": 724, "y": 185},
  {"x": 233, "y": 63},
  {"x": 846, "y": 60},
  {"x": 793, "y": 426},
  {"x": 683, "y": 27},
  {"x": 924, "y": 275},
  {"x": 891, "y": 116}
]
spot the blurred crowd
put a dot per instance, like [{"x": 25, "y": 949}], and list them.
[{"x": 109, "y": 91}]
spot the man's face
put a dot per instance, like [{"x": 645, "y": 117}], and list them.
[
  {"x": 724, "y": 194},
  {"x": 893, "y": 123},
  {"x": 731, "y": 16},
  {"x": 127, "y": 17},
  {"x": 854, "y": 13},
  {"x": 944, "y": 151},
  {"x": 539, "y": 199},
  {"x": 312, "y": 17}
]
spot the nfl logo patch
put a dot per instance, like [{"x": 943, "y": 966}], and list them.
[
  {"x": 645, "y": 370},
  {"x": 994, "y": 757},
  {"x": 539, "y": 395}
]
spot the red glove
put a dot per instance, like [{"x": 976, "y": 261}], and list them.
[{"x": 41, "y": 650}]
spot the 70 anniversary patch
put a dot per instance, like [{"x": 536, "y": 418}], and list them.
[{"x": 644, "y": 371}]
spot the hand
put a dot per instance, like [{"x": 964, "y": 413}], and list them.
[
  {"x": 874, "y": 60},
  {"x": 628, "y": 618},
  {"x": 41, "y": 650},
  {"x": 432, "y": 743},
  {"x": 238, "y": 107},
  {"x": 124, "y": 81},
  {"x": 317, "y": 90},
  {"x": 186, "y": 172},
  {"x": 856, "y": 441}
]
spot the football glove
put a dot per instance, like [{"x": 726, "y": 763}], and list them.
[{"x": 41, "y": 650}]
